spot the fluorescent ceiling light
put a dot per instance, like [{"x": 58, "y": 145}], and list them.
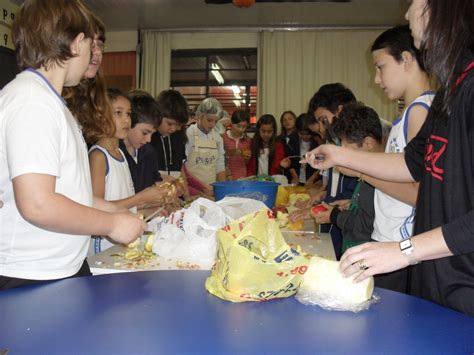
[
  {"x": 235, "y": 89},
  {"x": 216, "y": 73}
]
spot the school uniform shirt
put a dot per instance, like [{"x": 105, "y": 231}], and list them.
[
  {"x": 441, "y": 158},
  {"x": 143, "y": 166},
  {"x": 205, "y": 154},
  {"x": 273, "y": 167},
  {"x": 291, "y": 143},
  {"x": 170, "y": 153},
  {"x": 118, "y": 185},
  {"x": 339, "y": 187},
  {"x": 357, "y": 226},
  {"x": 236, "y": 163},
  {"x": 304, "y": 171},
  {"x": 39, "y": 135},
  {"x": 394, "y": 219}
]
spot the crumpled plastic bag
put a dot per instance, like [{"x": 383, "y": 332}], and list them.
[
  {"x": 254, "y": 262},
  {"x": 323, "y": 285},
  {"x": 189, "y": 235}
]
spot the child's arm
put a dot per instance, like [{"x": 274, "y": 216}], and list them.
[
  {"x": 312, "y": 179},
  {"x": 386, "y": 166},
  {"x": 406, "y": 192},
  {"x": 153, "y": 195},
  {"x": 107, "y": 206},
  {"x": 40, "y": 205},
  {"x": 294, "y": 176},
  {"x": 197, "y": 184},
  {"x": 98, "y": 167},
  {"x": 416, "y": 118}
]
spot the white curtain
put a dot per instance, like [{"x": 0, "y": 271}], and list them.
[
  {"x": 293, "y": 65},
  {"x": 156, "y": 62}
]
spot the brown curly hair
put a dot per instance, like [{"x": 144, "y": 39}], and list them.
[
  {"x": 89, "y": 102},
  {"x": 90, "y": 105}
]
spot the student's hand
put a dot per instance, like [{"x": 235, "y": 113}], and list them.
[
  {"x": 348, "y": 172},
  {"x": 246, "y": 154},
  {"x": 323, "y": 157},
  {"x": 295, "y": 180},
  {"x": 316, "y": 198},
  {"x": 235, "y": 152},
  {"x": 168, "y": 190},
  {"x": 285, "y": 163},
  {"x": 342, "y": 204},
  {"x": 324, "y": 217},
  {"x": 300, "y": 214},
  {"x": 167, "y": 178},
  {"x": 301, "y": 204},
  {"x": 376, "y": 257},
  {"x": 126, "y": 227},
  {"x": 172, "y": 207},
  {"x": 310, "y": 181}
]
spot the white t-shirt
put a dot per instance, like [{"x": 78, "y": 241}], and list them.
[
  {"x": 118, "y": 185},
  {"x": 394, "y": 219},
  {"x": 263, "y": 162},
  {"x": 39, "y": 135}
]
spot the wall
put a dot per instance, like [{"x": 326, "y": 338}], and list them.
[
  {"x": 212, "y": 40},
  {"x": 8, "y": 10},
  {"x": 120, "y": 61}
]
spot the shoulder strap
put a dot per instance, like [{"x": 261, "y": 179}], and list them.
[
  {"x": 103, "y": 151},
  {"x": 407, "y": 114}
]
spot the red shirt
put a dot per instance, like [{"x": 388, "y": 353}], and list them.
[
  {"x": 275, "y": 164},
  {"x": 235, "y": 162}
]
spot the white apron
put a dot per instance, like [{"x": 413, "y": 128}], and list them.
[{"x": 202, "y": 161}]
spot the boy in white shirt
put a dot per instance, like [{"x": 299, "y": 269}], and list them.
[{"x": 48, "y": 213}]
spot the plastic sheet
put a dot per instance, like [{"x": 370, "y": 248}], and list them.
[{"x": 323, "y": 285}]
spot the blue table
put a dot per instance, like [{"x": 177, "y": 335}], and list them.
[{"x": 163, "y": 312}]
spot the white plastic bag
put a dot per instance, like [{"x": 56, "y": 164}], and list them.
[
  {"x": 237, "y": 207},
  {"x": 189, "y": 235}
]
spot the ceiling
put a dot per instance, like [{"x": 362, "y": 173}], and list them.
[{"x": 123, "y": 15}]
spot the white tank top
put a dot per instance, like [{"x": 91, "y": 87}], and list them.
[
  {"x": 118, "y": 185},
  {"x": 394, "y": 219}
]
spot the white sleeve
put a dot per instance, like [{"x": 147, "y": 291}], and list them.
[
  {"x": 34, "y": 139},
  {"x": 190, "y": 142}
]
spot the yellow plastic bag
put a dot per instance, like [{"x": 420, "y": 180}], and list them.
[
  {"x": 254, "y": 262},
  {"x": 282, "y": 196}
]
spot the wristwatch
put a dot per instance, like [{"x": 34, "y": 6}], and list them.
[{"x": 406, "y": 248}]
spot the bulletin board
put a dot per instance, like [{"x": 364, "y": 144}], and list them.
[{"x": 7, "y": 55}]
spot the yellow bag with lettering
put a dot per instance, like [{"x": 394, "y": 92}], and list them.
[{"x": 254, "y": 262}]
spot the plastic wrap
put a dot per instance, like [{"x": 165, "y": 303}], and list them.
[{"x": 323, "y": 285}]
